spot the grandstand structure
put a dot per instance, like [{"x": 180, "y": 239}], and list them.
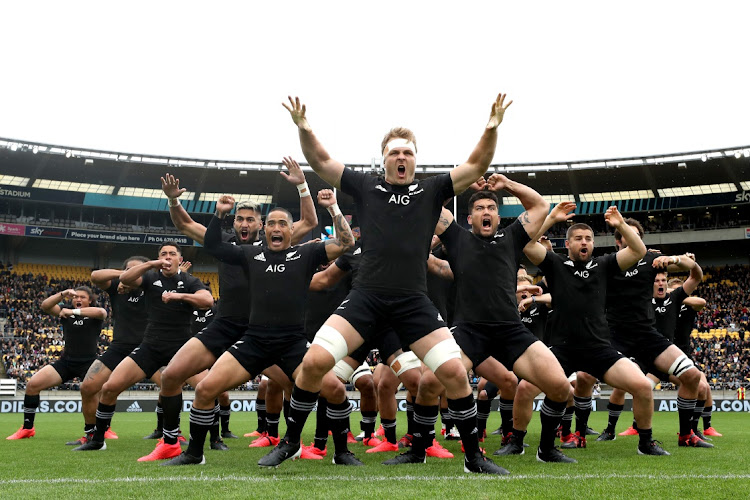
[{"x": 67, "y": 210}]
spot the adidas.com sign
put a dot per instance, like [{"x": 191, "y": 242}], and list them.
[{"x": 135, "y": 407}]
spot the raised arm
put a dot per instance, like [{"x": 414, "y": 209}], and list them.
[
  {"x": 51, "y": 306},
  {"x": 636, "y": 249},
  {"x": 133, "y": 277},
  {"x": 695, "y": 278},
  {"x": 344, "y": 239},
  {"x": 180, "y": 218},
  {"x": 308, "y": 217},
  {"x": 695, "y": 303},
  {"x": 327, "y": 278},
  {"x": 536, "y": 207},
  {"x": 327, "y": 168},
  {"x": 103, "y": 277},
  {"x": 225, "y": 252},
  {"x": 534, "y": 250},
  {"x": 439, "y": 267},
  {"x": 445, "y": 220},
  {"x": 467, "y": 173}
]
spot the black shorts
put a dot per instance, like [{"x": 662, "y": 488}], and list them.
[
  {"x": 505, "y": 343},
  {"x": 593, "y": 360},
  {"x": 116, "y": 353},
  {"x": 150, "y": 357},
  {"x": 72, "y": 368},
  {"x": 643, "y": 346},
  {"x": 257, "y": 350},
  {"x": 387, "y": 344},
  {"x": 411, "y": 317},
  {"x": 222, "y": 333}
]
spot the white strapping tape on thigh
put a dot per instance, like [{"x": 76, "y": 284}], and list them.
[
  {"x": 343, "y": 370},
  {"x": 361, "y": 372},
  {"x": 440, "y": 353},
  {"x": 332, "y": 341},
  {"x": 404, "y": 362},
  {"x": 654, "y": 383},
  {"x": 263, "y": 377},
  {"x": 680, "y": 365}
]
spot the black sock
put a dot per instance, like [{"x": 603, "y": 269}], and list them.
[
  {"x": 272, "y": 424},
  {"x": 464, "y": 414},
  {"x": 409, "y": 418},
  {"x": 707, "y": 417},
  {"x": 519, "y": 435},
  {"x": 550, "y": 414},
  {"x": 697, "y": 412},
  {"x": 200, "y": 423},
  {"x": 582, "y": 411},
  {"x": 685, "y": 409},
  {"x": 644, "y": 436},
  {"x": 30, "y": 404},
  {"x": 321, "y": 424},
  {"x": 614, "y": 416},
  {"x": 367, "y": 424},
  {"x": 425, "y": 418},
  {"x": 260, "y": 408},
  {"x": 445, "y": 419},
  {"x": 172, "y": 406},
  {"x": 285, "y": 407},
  {"x": 301, "y": 404},
  {"x": 634, "y": 424},
  {"x": 338, "y": 416},
  {"x": 104, "y": 414},
  {"x": 389, "y": 428},
  {"x": 224, "y": 412},
  {"x": 214, "y": 431},
  {"x": 567, "y": 420},
  {"x": 483, "y": 413},
  {"x": 89, "y": 429},
  {"x": 159, "y": 416},
  {"x": 506, "y": 414}
]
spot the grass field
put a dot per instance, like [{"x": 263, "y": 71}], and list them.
[{"x": 43, "y": 467}]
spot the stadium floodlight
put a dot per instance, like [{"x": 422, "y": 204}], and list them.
[
  {"x": 13, "y": 146},
  {"x": 738, "y": 154},
  {"x": 68, "y": 153},
  {"x": 35, "y": 149},
  {"x": 746, "y": 152},
  {"x": 704, "y": 158}
]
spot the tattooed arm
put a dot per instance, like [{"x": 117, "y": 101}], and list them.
[
  {"x": 439, "y": 267},
  {"x": 445, "y": 220},
  {"x": 536, "y": 207},
  {"x": 344, "y": 240}
]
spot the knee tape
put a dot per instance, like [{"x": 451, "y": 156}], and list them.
[
  {"x": 361, "y": 372},
  {"x": 332, "y": 341},
  {"x": 404, "y": 362},
  {"x": 263, "y": 377},
  {"x": 680, "y": 366},
  {"x": 343, "y": 371},
  {"x": 440, "y": 353}
]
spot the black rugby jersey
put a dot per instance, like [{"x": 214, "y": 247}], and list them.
[
  {"x": 578, "y": 292},
  {"x": 685, "y": 324},
  {"x": 535, "y": 319},
  {"x": 81, "y": 337},
  {"x": 168, "y": 321},
  {"x": 233, "y": 289},
  {"x": 279, "y": 281},
  {"x": 349, "y": 262},
  {"x": 666, "y": 311},
  {"x": 629, "y": 295},
  {"x": 397, "y": 224},
  {"x": 201, "y": 319},
  {"x": 442, "y": 292},
  {"x": 321, "y": 304},
  {"x": 128, "y": 314},
  {"x": 485, "y": 272}
]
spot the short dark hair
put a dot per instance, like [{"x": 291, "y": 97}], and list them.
[
  {"x": 281, "y": 209},
  {"x": 577, "y": 226},
  {"x": 630, "y": 222},
  {"x": 139, "y": 258},
  {"x": 92, "y": 296},
  {"x": 170, "y": 243},
  {"x": 481, "y": 195}
]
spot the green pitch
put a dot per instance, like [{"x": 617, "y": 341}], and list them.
[{"x": 43, "y": 467}]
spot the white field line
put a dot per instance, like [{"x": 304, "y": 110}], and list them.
[{"x": 271, "y": 479}]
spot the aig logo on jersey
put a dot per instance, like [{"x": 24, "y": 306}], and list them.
[
  {"x": 399, "y": 199},
  {"x": 275, "y": 268}
]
